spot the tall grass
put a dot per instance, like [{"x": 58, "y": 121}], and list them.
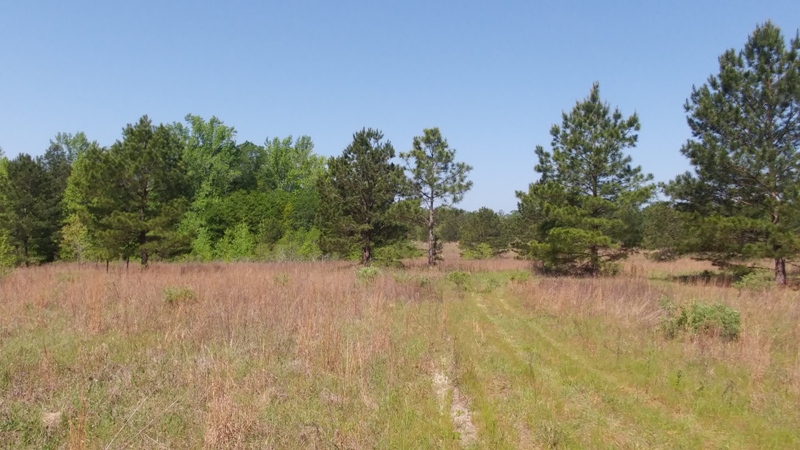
[{"x": 310, "y": 355}]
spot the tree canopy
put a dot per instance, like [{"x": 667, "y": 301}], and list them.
[
  {"x": 436, "y": 179},
  {"x": 742, "y": 198},
  {"x": 587, "y": 184},
  {"x": 357, "y": 195}
]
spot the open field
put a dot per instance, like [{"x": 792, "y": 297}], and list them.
[{"x": 316, "y": 355}]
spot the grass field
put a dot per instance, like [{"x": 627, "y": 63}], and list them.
[{"x": 320, "y": 355}]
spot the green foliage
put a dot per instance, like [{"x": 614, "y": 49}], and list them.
[
  {"x": 367, "y": 274},
  {"x": 75, "y": 243},
  {"x": 72, "y": 145},
  {"x": 202, "y": 246},
  {"x": 392, "y": 254},
  {"x": 480, "y": 251},
  {"x": 32, "y": 191},
  {"x": 290, "y": 166},
  {"x": 210, "y": 156},
  {"x": 756, "y": 281},
  {"x": 483, "y": 235},
  {"x": 449, "y": 221},
  {"x": 7, "y": 258},
  {"x": 581, "y": 215},
  {"x": 743, "y": 192},
  {"x": 176, "y": 295},
  {"x": 435, "y": 179},
  {"x": 297, "y": 245},
  {"x": 357, "y": 196},
  {"x": 664, "y": 231},
  {"x": 132, "y": 195},
  {"x": 520, "y": 276},
  {"x": 237, "y": 244},
  {"x": 461, "y": 279},
  {"x": 715, "y": 320}
]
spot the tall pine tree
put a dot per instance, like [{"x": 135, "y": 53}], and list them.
[
  {"x": 744, "y": 194},
  {"x": 134, "y": 193},
  {"x": 436, "y": 179},
  {"x": 576, "y": 212},
  {"x": 357, "y": 195}
]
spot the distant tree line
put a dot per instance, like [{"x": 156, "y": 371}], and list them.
[{"x": 189, "y": 191}]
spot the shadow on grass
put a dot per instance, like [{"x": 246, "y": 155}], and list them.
[{"x": 705, "y": 277}]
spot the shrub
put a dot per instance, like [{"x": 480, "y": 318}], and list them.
[
  {"x": 712, "y": 320},
  {"x": 480, "y": 251},
  {"x": 520, "y": 276},
  {"x": 367, "y": 274},
  {"x": 756, "y": 281},
  {"x": 174, "y": 295},
  {"x": 391, "y": 255},
  {"x": 297, "y": 245},
  {"x": 459, "y": 278},
  {"x": 236, "y": 245}
]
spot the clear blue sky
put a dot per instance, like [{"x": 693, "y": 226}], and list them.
[{"x": 494, "y": 76}]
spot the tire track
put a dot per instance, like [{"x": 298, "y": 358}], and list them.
[{"x": 606, "y": 382}]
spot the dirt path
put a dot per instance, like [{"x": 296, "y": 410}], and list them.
[{"x": 460, "y": 413}]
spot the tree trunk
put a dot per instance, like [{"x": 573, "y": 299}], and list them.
[
  {"x": 431, "y": 240},
  {"x": 366, "y": 250},
  {"x": 780, "y": 271},
  {"x": 595, "y": 261},
  {"x": 142, "y": 251}
]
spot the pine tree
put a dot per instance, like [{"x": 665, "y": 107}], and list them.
[
  {"x": 32, "y": 190},
  {"x": 134, "y": 193},
  {"x": 436, "y": 179},
  {"x": 576, "y": 212},
  {"x": 356, "y": 197},
  {"x": 483, "y": 235},
  {"x": 745, "y": 190}
]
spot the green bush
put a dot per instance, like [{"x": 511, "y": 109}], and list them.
[
  {"x": 367, "y": 274},
  {"x": 459, "y": 278},
  {"x": 711, "y": 320},
  {"x": 391, "y": 255},
  {"x": 480, "y": 251},
  {"x": 297, "y": 245},
  {"x": 756, "y": 281},
  {"x": 236, "y": 245},
  {"x": 520, "y": 276},
  {"x": 174, "y": 295}
]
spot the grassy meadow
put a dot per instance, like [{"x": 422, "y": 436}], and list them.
[{"x": 471, "y": 354}]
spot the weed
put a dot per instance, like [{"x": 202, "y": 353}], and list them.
[
  {"x": 490, "y": 285},
  {"x": 699, "y": 318},
  {"x": 281, "y": 279},
  {"x": 520, "y": 276},
  {"x": 174, "y": 295},
  {"x": 459, "y": 278},
  {"x": 367, "y": 274}
]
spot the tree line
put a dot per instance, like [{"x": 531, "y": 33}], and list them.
[{"x": 189, "y": 191}]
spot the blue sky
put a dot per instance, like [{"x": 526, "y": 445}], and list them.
[{"x": 493, "y": 76}]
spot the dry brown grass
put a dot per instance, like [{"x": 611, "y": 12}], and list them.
[
  {"x": 291, "y": 355},
  {"x": 210, "y": 335}
]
